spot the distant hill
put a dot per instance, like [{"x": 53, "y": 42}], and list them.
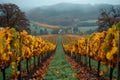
[{"x": 67, "y": 14}]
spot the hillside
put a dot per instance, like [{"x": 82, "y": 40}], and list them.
[{"x": 67, "y": 14}]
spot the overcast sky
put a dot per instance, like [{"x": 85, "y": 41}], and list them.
[{"x": 34, "y": 3}]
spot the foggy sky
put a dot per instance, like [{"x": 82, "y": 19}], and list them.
[{"x": 35, "y": 3}]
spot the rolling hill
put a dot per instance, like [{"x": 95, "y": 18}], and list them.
[{"x": 67, "y": 14}]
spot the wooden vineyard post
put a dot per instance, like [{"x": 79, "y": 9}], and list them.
[
  {"x": 19, "y": 69},
  {"x": 98, "y": 69},
  {"x": 3, "y": 72},
  {"x": 118, "y": 75},
  {"x": 80, "y": 57},
  {"x": 85, "y": 61},
  {"x": 27, "y": 66},
  {"x": 39, "y": 61},
  {"x": 90, "y": 63},
  {"x": 111, "y": 72},
  {"x": 34, "y": 61}
]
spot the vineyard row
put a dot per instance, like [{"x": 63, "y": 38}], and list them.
[
  {"x": 100, "y": 46},
  {"x": 16, "y": 47}
]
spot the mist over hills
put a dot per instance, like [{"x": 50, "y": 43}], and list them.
[{"x": 67, "y": 14}]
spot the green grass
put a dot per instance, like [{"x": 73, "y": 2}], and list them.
[
  {"x": 89, "y": 21},
  {"x": 94, "y": 63},
  {"x": 59, "y": 69},
  {"x": 8, "y": 71},
  {"x": 86, "y": 28}
]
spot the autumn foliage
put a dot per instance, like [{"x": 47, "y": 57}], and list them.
[
  {"x": 100, "y": 46},
  {"x": 17, "y": 46},
  {"x": 12, "y": 16}
]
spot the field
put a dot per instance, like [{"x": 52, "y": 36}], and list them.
[
  {"x": 63, "y": 56},
  {"x": 87, "y": 28},
  {"x": 89, "y": 21},
  {"x": 45, "y": 25},
  {"x": 36, "y": 28}
]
